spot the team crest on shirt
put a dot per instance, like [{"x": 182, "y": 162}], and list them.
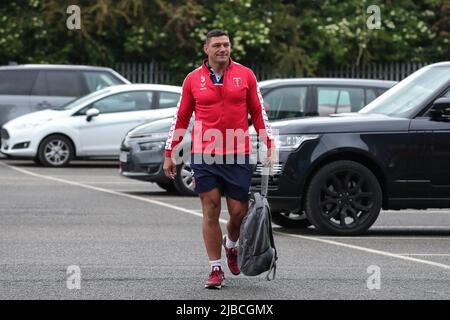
[
  {"x": 237, "y": 82},
  {"x": 202, "y": 81}
]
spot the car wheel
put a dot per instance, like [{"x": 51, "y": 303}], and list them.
[
  {"x": 290, "y": 219},
  {"x": 55, "y": 151},
  {"x": 168, "y": 186},
  {"x": 343, "y": 198},
  {"x": 184, "y": 182}
]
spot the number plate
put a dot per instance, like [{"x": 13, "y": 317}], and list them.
[{"x": 124, "y": 156}]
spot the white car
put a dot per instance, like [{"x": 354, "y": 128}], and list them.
[{"x": 92, "y": 126}]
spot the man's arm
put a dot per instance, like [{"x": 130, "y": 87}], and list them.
[
  {"x": 178, "y": 128},
  {"x": 259, "y": 117},
  {"x": 181, "y": 119}
]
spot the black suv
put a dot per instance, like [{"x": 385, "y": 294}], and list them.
[
  {"x": 338, "y": 172},
  {"x": 28, "y": 88}
]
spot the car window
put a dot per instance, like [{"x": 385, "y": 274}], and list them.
[
  {"x": 81, "y": 100},
  {"x": 63, "y": 83},
  {"x": 17, "y": 82},
  {"x": 123, "y": 102},
  {"x": 339, "y": 99},
  {"x": 380, "y": 91},
  {"x": 447, "y": 94},
  {"x": 287, "y": 102},
  {"x": 168, "y": 100},
  {"x": 40, "y": 85},
  {"x": 96, "y": 80},
  {"x": 370, "y": 95},
  {"x": 404, "y": 98}
]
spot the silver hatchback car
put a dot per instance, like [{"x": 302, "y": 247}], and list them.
[{"x": 29, "y": 88}]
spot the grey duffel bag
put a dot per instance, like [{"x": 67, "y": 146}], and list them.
[{"x": 257, "y": 252}]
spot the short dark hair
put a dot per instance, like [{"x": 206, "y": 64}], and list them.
[{"x": 215, "y": 33}]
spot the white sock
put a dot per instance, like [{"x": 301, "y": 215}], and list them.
[
  {"x": 215, "y": 263},
  {"x": 230, "y": 244}
]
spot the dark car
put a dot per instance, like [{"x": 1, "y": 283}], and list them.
[
  {"x": 29, "y": 88},
  {"x": 142, "y": 149},
  {"x": 338, "y": 172},
  {"x": 142, "y": 156},
  {"x": 306, "y": 97}
]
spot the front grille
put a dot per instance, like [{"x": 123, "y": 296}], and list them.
[
  {"x": 152, "y": 169},
  {"x": 276, "y": 169},
  {"x": 256, "y": 183},
  {"x": 4, "y": 134},
  {"x": 273, "y": 178}
]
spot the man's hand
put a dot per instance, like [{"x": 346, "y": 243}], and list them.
[
  {"x": 271, "y": 157},
  {"x": 170, "y": 168}
]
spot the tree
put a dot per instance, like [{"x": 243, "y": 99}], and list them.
[{"x": 292, "y": 38}]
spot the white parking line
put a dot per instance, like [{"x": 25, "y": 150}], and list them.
[
  {"x": 409, "y": 211},
  {"x": 383, "y": 253},
  {"x": 109, "y": 182},
  {"x": 193, "y": 212},
  {"x": 105, "y": 190},
  {"x": 414, "y": 227},
  {"x": 425, "y": 254},
  {"x": 374, "y": 237}
]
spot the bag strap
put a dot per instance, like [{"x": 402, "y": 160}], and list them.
[
  {"x": 273, "y": 264},
  {"x": 273, "y": 267},
  {"x": 265, "y": 180},
  {"x": 265, "y": 172}
]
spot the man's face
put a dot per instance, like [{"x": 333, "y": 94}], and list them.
[{"x": 218, "y": 49}]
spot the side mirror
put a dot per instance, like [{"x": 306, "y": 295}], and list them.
[
  {"x": 440, "y": 110},
  {"x": 93, "y": 112}
]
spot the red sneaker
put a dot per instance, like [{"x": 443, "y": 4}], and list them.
[
  {"x": 216, "y": 279},
  {"x": 232, "y": 256}
]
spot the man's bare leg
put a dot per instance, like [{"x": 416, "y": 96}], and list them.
[
  {"x": 237, "y": 211},
  {"x": 212, "y": 234}
]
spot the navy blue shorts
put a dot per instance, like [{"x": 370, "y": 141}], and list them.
[{"x": 233, "y": 179}]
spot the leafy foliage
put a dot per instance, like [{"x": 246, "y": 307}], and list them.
[{"x": 297, "y": 37}]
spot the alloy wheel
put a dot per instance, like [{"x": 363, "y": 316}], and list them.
[
  {"x": 56, "y": 152},
  {"x": 346, "y": 199}
]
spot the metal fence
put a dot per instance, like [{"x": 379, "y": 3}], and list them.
[
  {"x": 146, "y": 72},
  {"x": 152, "y": 72},
  {"x": 395, "y": 71}
]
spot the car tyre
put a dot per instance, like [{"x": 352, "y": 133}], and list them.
[
  {"x": 184, "y": 181},
  {"x": 55, "y": 151},
  {"x": 343, "y": 198}
]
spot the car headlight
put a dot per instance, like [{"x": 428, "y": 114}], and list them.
[
  {"x": 292, "y": 142},
  {"x": 33, "y": 124},
  {"x": 152, "y": 146},
  {"x": 152, "y": 136}
]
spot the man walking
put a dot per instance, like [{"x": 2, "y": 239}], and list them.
[{"x": 221, "y": 93}]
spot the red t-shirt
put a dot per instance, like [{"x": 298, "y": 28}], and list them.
[{"x": 221, "y": 112}]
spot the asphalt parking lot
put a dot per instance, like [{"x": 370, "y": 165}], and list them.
[{"x": 133, "y": 240}]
